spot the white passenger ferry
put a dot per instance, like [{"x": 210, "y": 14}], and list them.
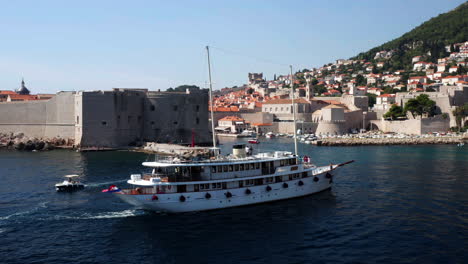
[
  {"x": 216, "y": 182},
  {"x": 235, "y": 180}
]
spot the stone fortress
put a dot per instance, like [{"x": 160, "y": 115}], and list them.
[{"x": 111, "y": 119}]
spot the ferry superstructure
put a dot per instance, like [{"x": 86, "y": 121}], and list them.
[{"x": 183, "y": 186}]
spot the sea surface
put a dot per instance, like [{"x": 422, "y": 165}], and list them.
[{"x": 395, "y": 204}]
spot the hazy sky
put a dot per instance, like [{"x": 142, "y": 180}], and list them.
[{"x": 91, "y": 45}]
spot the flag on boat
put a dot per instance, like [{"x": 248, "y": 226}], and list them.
[{"x": 112, "y": 189}]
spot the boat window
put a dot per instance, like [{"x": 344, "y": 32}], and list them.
[
  {"x": 196, "y": 187},
  {"x": 231, "y": 168},
  {"x": 290, "y": 177},
  {"x": 236, "y": 167},
  {"x": 213, "y": 185},
  {"x": 241, "y": 184},
  {"x": 304, "y": 174},
  {"x": 246, "y": 166},
  {"x": 252, "y": 166},
  {"x": 281, "y": 162},
  {"x": 242, "y": 167},
  {"x": 182, "y": 188},
  {"x": 202, "y": 169},
  {"x": 257, "y": 166},
  {"x": 213, "y": 169},
  {"x": 218, "y": 185},
  {"x": 278, "y": 179},
  {"x": 224, "y": 185},
  {"x": 225, "y": 168},
  {"x": 220, "y": 168}
]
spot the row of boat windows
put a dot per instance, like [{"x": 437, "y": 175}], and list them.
[
  {"x": 221, "y": 185},
  {"x": 236, "y": 167},
  {"x": 252, "y": 182},
  {"x": 251, "y": 166}
]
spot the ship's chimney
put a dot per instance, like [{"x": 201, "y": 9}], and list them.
[{"x": 238, "y": 151}]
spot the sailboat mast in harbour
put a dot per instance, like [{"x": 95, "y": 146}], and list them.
[
  {"x": 294, "y": 111},
  {"x": 211, "y": 98}
]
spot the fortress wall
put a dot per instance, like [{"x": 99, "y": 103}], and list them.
[
  {"x": 41, "y": 119},
  {"x": 111, "y": 118},
  {"x": 353, "y": 120},
  {"x": 410, "y": 127},
  {"x": 288, "y": 127},
  {"x": 435, "y": 124},
  {"x": 175, "y": 116}
]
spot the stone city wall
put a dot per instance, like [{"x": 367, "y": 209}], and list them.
[{"x": 40, "y": 119}]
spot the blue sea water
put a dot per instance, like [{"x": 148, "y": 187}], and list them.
[{"x": 395, "y": 204}]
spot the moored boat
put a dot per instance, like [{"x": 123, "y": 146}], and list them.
[{"x": 253, "y": 141}]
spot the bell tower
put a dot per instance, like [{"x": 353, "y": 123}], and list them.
[{"x": 309, "y": 89}]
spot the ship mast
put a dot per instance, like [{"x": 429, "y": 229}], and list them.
[
  {"x": 211, "y": 99},
  {"x": 294, "y": 111}
]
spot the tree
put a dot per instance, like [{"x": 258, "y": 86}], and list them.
[
  {"x": 183, "y": 88},
  {"x": 394, "y": 112},
  {"x": 461, "y": 70},
  {"x": 360, "y": 80},
  {"x": 460, "y": 113},
  {"x": 314, "y": 81},
  {"x": 372, "y": 99},
  {"x": 421, "y": 105}
]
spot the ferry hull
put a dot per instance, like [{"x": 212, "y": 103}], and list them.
[{"x": 197, "y": 201}]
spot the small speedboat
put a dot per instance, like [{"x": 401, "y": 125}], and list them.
[
  {"x": 270, "y": 135},
  {"x": 70, "y": 184},
  {"x": 253, "y": 141}
]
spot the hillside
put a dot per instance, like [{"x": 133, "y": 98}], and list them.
[{"x": 429, "y": 38}]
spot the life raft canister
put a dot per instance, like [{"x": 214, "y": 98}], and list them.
[
  {"x": 316, "y": 179},
  {"x": 248, "y": 191},
  {"x": 300, "y": 183},
  {"x": 207, "y": 195},
  {"x": 228, "y": 194},
  {"x": 154, "y": 198},
  {"x": 182, "y": 198},
  {"x": 285, "y": 185},
  {"x": 268, "y": 188}
]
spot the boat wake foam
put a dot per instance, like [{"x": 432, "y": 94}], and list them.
[
  {"x": 105, "y": 215},
  {"x": 24, "y": 213}
]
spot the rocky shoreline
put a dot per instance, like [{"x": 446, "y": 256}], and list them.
[
  {"x": 390, "y": 141},
  {"x": 18, "y": 141}
]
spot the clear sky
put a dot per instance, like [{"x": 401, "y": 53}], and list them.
[{"x": 98, "y": 45}]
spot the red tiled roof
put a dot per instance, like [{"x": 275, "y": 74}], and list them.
[
  {"x": 231, "y": 118},
  {"x": 7, "y": 92}
]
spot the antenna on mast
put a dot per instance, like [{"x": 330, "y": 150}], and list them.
[
  {"x": 294, "y": 111},
  {"x": 211, "y": 100}
]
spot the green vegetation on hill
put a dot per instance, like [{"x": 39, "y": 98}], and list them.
[{"x": 428, "y": 39}]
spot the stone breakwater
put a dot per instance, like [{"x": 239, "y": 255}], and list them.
[
  {"x": 19, "y": 141},
  {"x": 389, "y": 141}
]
